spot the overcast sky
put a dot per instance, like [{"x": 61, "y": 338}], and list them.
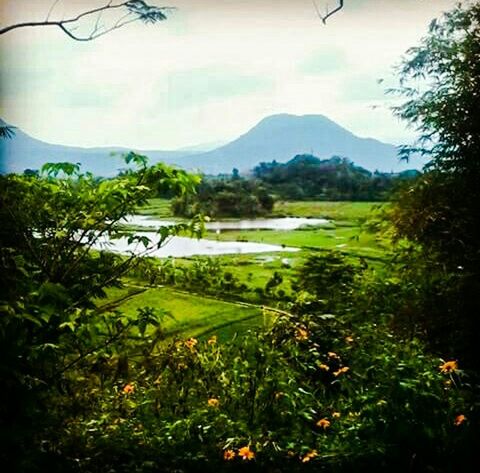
[{"x": 208, "y": 73}]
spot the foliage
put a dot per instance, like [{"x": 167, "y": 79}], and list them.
[
  {"x": 307, "y": 177},
  {"x": 51, "y": 270},
  {"x": 225, "y": 197},
  {"x": 328, "y": 276},
  {"x": 316, "y": 390},
  {"x": 440, "y": 211}
]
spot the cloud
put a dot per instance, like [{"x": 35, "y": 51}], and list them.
[
  {"x": 324, "y": 61},
  {"x": 195, "y": 87}
]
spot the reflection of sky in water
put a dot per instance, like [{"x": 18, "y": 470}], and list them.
[
  {"x": 182, "y": 246},
  {"x": 287, "y": 223}
]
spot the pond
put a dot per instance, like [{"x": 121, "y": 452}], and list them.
[
  {"x": 286, "y": 223},
  {"x": 183, "y": 247}
]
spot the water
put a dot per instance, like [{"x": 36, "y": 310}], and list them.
[
  {"x": 287, "y": 223},
  {"x": 183, "y": 246}
]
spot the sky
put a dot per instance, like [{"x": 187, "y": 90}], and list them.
[{"x": 209, "y": 73}]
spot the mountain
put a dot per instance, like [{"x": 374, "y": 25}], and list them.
[
  {"x": 277, "y": 137},
  {"x": 24, "y": 152}
]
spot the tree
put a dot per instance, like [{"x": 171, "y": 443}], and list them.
[
  {"x": 53, "y": 273},
  {"x": 440, "y": 212},
  {"x": 127, "y": 12}
]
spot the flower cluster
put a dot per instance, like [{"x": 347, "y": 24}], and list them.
[{"x": 245, "y": 453}]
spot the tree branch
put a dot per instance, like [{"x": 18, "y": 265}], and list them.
[
  {"x": 141, "y": 11},
  {"x": 328, "y": 14}
]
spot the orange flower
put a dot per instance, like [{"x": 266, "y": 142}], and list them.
[
  {"x": 323, "y": 423},
  {"x": 190, "y": 343},
  {"x": 460, "y": 419},
  {"x": 128, "y": 388},
  {"x": 302, "y": 334},
  {"x": 332, "y": 354},
  {"x": 246, "y": 453},
  {"x": 324, "y": 367},
  {"x": 449, "y": 367},
  {"x": 228, "y": 455},
  {"x": 341, "y": 371},
  {"x": 308, "y": 456},
  {"x": 336, "y": 415},
  {"x": 213, "y": 402},
  {"x": 212, "y": 340}
]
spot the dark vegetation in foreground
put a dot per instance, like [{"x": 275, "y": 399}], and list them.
[{"x": 365, "y": 367}]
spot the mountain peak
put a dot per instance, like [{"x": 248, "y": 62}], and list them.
[{"x": 277, "y": 137}]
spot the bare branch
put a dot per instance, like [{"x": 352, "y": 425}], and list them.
[
  {"x": 138, "y": 8},
  {"x": 54, "y": 4},
  {"x": 328, "y": 14}
]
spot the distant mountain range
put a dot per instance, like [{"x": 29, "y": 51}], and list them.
[{"x": 277, "y": 137}]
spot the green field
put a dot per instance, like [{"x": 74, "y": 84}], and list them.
[
  {"x": 338, "y": 211},
  {"x": 157, "y": 207},
  {"x": 197, "y": 315},
  {"x": 187, "y": 315},
  {"x": 344, "y": 233}
]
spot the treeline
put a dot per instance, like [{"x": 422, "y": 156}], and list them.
[
  {"x": 226, "y": 197},
  {"x": 306, "y": 177}
]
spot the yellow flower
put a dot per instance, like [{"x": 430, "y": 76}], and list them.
[
  {"x": 246, "y": 453},
  {"x": 190, "y": 343},
  {"x": 213, "y": 402},
  {"x": 212, "y": 340},
  {"x": 449, "y": 367},
  {"x": 128, "y": 388},
  {"x": 341, "y": 371},
  {"x": 324, "y": 367},
  {"x": 308, "y": 456},
  {"x": 323, "y": 423},
  {"x": 332, "y": 354},
  {"x": 349, "y": 339},
  {"x": 302, "y": 334},
  {"x": 228, "y": 455},
  {"x": 336, "y": 415},
  {"x": 460, "y": 419}
]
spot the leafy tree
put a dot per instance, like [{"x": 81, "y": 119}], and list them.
[
  {"x": 440, "y": 211},
  {"x": 307, "y": 177},
  {"x": 51, "y": 273},
  {"x": 226, "y": 197}
]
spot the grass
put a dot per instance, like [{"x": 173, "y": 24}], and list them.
[
  {"x": 338, "y": 211},
  {"x": 159, "y": 208},
  {"x": 188, "y": 315},
  {"x": 344, "y": 233},
  {"x": 197, "y": 315}
]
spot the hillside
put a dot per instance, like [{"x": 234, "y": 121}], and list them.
[
  {"x": 24, "y": 152},
  {"x": 277, "y": 137}
]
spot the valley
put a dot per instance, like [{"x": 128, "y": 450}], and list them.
[{"x": 191, "y": 313}]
